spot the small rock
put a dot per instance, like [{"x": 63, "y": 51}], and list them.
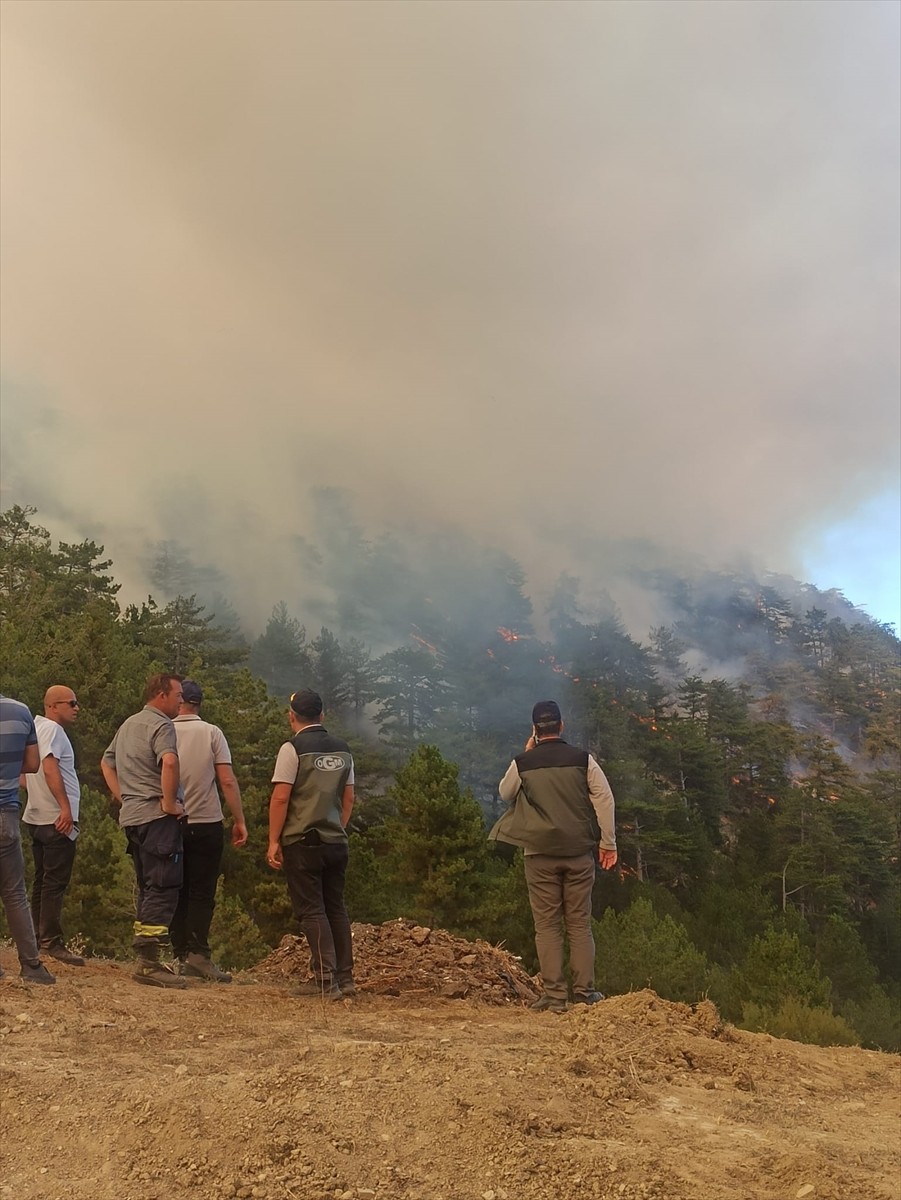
[
  {"x": 23, "y": 1017},
  {"x": 467, "y": 960},
  {"x": 806, "y": 1190},
  {"x": 420, "y": 935},
  {"x": 181, "y": 1069},
  {"x": 489, "y": 1195}
]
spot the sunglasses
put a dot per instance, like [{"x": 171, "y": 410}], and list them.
[{"x": 71, "y": 703}]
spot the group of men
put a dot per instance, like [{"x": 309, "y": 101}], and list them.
[
  {"x": 165, "y": 769},
  {"x": 162, "y": 768}
]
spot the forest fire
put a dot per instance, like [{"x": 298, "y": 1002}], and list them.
[
  {"x": 432, "y": 649},
  {"x": 510, "y": 635}
]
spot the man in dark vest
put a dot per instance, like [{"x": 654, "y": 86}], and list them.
[
  {"x": 561, "y": 813},
  {"x": 312, "y": 799}
]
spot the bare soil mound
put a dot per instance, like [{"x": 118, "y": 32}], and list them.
[
  {"x": 401, "y": 958},
  {"x": 114, "y": 1091}
]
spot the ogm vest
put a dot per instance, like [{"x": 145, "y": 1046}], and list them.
[{"x": 323, "y": 767}]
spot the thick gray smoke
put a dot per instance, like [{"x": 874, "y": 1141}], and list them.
[{"x": 546, "y": 272}]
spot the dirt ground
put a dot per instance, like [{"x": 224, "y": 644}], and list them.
[{"x": 114, "y": 1090}]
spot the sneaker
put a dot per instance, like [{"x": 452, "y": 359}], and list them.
[
  {"x": 157, "y": 974},
  {"x": 36, "y": 974},
  {"x": 587, "y": 997},
  {"x": 317, "y": 987},
  {"x": 200, "y": 967},
  {"x": 549, "y": 1004},
  {"x": 61, "y": 954}
]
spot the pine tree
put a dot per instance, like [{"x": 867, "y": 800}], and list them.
[{"x": 436, "y": 852}]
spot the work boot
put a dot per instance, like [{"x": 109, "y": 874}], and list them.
[
  {"x": 201, "y": 967},
  {"x": 347, "y": 985},
  {"x": 61, "y": 954},
  {"x": 325, "y": 989},
  {"x": 547, "y": 1003},
  {"x": 151, "y": 971},
  {"x": 36, "y": 973},
  {"x": 591, "y": 997}
]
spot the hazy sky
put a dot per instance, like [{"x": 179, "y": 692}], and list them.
[{"x": 532, "y": 268}]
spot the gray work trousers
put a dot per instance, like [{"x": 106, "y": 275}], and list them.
[
  {"x": 560, "y": 896},
  {"x": 12, "y": 888}
]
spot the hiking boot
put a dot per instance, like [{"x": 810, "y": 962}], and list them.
[
  {"x": 36, "y": 973},
  {"x": 325, "y": 990},
  {"x": 61, "y": 954},
  {"x": 587, "y": 997},
  {"x": 157, "y": 974},
  {"x": 549, "y": 1004},
  {"x": 200, "y": 967},
  {"x": 347, "y": 986}
]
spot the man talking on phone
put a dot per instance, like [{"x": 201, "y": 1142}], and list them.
[{"x": 561, "y": 813}]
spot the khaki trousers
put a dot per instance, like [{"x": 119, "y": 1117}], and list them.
[{"x": 560, "y": 896}]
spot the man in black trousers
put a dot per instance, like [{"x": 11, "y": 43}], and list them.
[{"x": 311, "y": 803}]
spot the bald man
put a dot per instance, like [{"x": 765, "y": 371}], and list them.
[{"x": 51, "y": 818}]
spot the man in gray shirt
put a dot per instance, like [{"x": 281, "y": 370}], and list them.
[{"x": 140, "y": 767}]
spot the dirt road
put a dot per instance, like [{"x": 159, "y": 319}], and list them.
[{"x": 113, "y": 1090}]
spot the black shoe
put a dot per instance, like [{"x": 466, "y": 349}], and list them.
[
  {"x": 318, "y": 987},
  {"x": 548, "y": 1004},
  {"x": 36, "y": 974},
  {"x": 61, "y": 954},
  {"x": 348, "y": 987},
  {"x": 587, "y": 997}
]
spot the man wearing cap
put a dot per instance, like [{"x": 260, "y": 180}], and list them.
[
  {"x": 18, "y": 755},
  {"x": 140, "y": 766},
  {"x": 204, "y": 761},
  {"x": 561, "y": 813},
  {"x": 51, "y": 818},
  {"x": 311, "y": 803}
]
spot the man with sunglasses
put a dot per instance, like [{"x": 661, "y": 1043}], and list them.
[{"x": 51, "y": 818}]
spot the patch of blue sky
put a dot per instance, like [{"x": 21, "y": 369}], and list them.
[{"x": 861, "y": 555}]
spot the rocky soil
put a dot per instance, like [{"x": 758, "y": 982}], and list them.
[{"x": 434, "y": 1083}]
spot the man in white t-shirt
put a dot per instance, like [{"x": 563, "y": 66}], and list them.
[
  {"x": 205, "y": 761},
  {"x": 51, "y": 818}
]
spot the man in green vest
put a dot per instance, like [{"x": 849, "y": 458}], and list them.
[
  {"x": 561, "y": 813},
  {"x": 311, "y": 803}
]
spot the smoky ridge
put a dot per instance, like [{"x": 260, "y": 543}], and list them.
[{"x": 415, "y": 633}]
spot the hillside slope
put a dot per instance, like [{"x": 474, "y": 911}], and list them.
[{"x": 112, "y": 1090}]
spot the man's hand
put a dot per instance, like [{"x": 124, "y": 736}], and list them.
[
  {"x": 239, "y": 833},
  {"x": 64, "y": 823},
  {"x": 274, "y": 856},
  {"x": 607, "y": 859},
  {"x": 175, "y": 808},
  {"x": 531, "y": 743}
]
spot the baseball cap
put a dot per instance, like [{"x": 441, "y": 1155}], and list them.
[
  {"x": 191, "y": 692},
  {"x": 546, "y": 712},
  {"x": 306, "y": 704}
]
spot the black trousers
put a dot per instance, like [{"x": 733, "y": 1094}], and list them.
[
  {"x": 190, "y": 927},
  {"x": 156, "y": 851},
  {"x": 54, "y": 856},
  {"x": 315, "y": 877}
]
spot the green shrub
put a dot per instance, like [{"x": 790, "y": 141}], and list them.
[
  {"x": 639, "y": 949},
  {"x": 877, "y": 1019},
  {"x": 799, "y": 1022}
]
